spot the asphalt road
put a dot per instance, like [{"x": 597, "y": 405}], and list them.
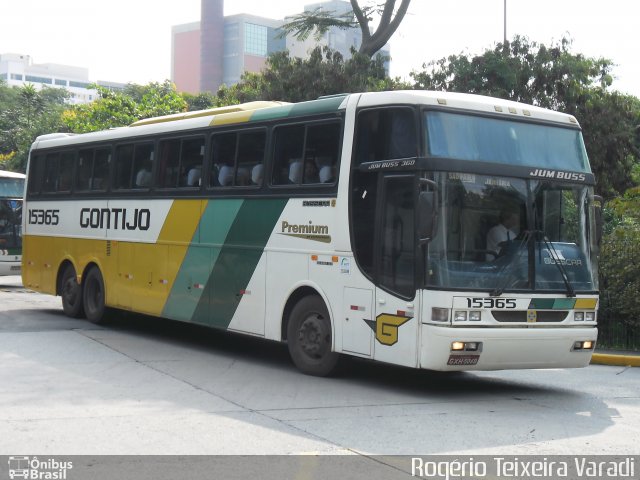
[{"x": 146, "y": 386}]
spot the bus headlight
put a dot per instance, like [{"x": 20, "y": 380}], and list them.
[
  {"x": 459, "y": 346},
  {"x": 474, "y": 316},
  {"x": 583, "y": 345},
  {"x": 578, "y": 316},
  {"x": 460, "y": 316},
  {"x": 439, "y": 314},
  {"x": 590, "y": 316}
]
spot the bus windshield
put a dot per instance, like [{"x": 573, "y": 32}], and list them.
[
  {"x": 11, "y": 187},
  {"x": 508, "y": 234},
  {"x": 11, "y": 191},
  {"x": 469, "y": 137}
]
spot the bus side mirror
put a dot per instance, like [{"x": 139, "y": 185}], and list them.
[{"x": 427, "y": 211}]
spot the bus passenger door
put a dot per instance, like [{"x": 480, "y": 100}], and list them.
[{"x": 396, "y": 323}]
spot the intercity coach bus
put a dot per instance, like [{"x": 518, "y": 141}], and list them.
[
  {"x": 11, "y": 193},
  {"x": 350, "y": 225}
]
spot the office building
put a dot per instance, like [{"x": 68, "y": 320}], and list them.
[
  {"x": 219, "y": 49},
  {"x": 18, "y": 70}
]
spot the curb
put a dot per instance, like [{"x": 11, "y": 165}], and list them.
[{"x": 618, "y": 360}]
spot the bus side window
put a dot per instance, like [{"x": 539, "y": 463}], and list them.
[
  {"x": 168, "y": 164},
  {"x": 143, "y": 165},
  {"x": 288, "y": 155},
  {"x": 52, "y": 166},
  {"x": 84, "y": 170},
  {"x": 250, "y": 154},
  {"x": 322, "y": 150},
  {"x": 191, "y": 159},
  {"x": 124, "y": 165},
  {"x": 223, "y": 152},
  {"x": 65, "y": 173},
  {"x": 36, "y": 170},
  {"x": 386, "y": 134},
  {"x": 100, "y": 176}
]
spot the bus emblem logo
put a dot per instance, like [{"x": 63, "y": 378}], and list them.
[
  {"x": 532, "y": 316},
  {"x": 386, "y": 327}
]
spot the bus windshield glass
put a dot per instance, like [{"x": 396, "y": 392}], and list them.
[
  {"x": 507, "y": 234},
  {"x": 11, "y": 187},
  {"x": 469, "y": 137}
]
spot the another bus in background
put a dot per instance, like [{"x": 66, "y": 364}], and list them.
[{"x": 11, "y": 193}]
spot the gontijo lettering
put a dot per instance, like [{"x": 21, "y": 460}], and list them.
[{"x": 115, "y": 218}]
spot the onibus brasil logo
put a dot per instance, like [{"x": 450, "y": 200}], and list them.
[{"x": 33, "y": 468}]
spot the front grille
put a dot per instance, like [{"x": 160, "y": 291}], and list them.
[{"x": 520, "y": 316}]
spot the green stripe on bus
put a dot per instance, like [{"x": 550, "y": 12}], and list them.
[
  {"x": 324, "y": 105},
  {"x": 237, "y": 261},
  {"x": 552, "y": 304},
  {"x": 206, "y": 244}
]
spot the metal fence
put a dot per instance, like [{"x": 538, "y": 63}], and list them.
[{"x": 618, "y": 320}]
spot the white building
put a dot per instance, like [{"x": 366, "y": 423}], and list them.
[
  {"x": 341, "y": 40},
  {"x": 18, "y": 70}
]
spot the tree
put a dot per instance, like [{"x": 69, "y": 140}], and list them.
[
  {"x": 320, "y": 21},
  {"x": 120, "y": 108},
  {"x": 27, "y": 114},
  {"x": 200, "y": 101},
  {"x": 553, "y": 77},
  {"x": 325, "y": 72}
]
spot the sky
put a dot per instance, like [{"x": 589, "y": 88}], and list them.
[{"x": 130, "y": 40}]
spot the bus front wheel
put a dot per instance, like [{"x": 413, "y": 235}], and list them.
[
  {"x": 309, "y": 337},
  {"x": 71, "y": 293},
  {"x": 93, "y": 296}
]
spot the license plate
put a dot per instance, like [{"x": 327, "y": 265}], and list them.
[{"x": 463, "y": 360}]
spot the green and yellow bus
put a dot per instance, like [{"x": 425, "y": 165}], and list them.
[{"x": 354, "y": 224}]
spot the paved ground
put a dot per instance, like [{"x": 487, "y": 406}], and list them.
[{"x": 146, "y": 386}]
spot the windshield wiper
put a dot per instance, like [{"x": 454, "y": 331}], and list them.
[
  {"x": 507, "y": 267},
  {"x": 555, "y": 259}
]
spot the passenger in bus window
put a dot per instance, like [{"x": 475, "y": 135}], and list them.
[
  {"x": 143, "y": 177},
  {"x": 311, "y": 172},
  {"x": 256, "y": 174},
  {"x": 243, "y": 176},
  {"x": 225, "y": 175},
  {"x": 327, "y": 174},
  {"x": 295, "y": 171},
  {"x": 194, "y": 176}
]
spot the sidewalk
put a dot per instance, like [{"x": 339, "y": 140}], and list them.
[{"x": 616, "y": 357}]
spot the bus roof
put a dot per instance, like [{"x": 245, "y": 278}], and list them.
[
  {"x": 264, "y": 111},
  {"x": 8, "y": 174}
]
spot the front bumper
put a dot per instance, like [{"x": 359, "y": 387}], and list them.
[{"x": 505, "y": 348}]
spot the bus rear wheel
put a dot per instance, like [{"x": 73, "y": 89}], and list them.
[
  {"x": 93, "y": 297},
  {"x": 71, "y": 293},
  {"x": 309, "y": 337}
]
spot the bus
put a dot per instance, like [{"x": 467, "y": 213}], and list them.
[
  {"x": 353, "y": 224},
  {"x": 11, "y": 193}
]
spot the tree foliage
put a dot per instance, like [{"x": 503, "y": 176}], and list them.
[
  {"x": 120, "y": 108},
  {"x": 384, "y": 15},
  {"x": 25, "y": 114},
  {"x": 325, "y": 72},
  {"x": 553, "y": 77}
]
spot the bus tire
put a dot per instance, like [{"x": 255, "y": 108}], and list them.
[
  {"x": 93, "y": 296},
  {"x": 309, "y": 337},
  {"x": 71, "y": 293}
]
